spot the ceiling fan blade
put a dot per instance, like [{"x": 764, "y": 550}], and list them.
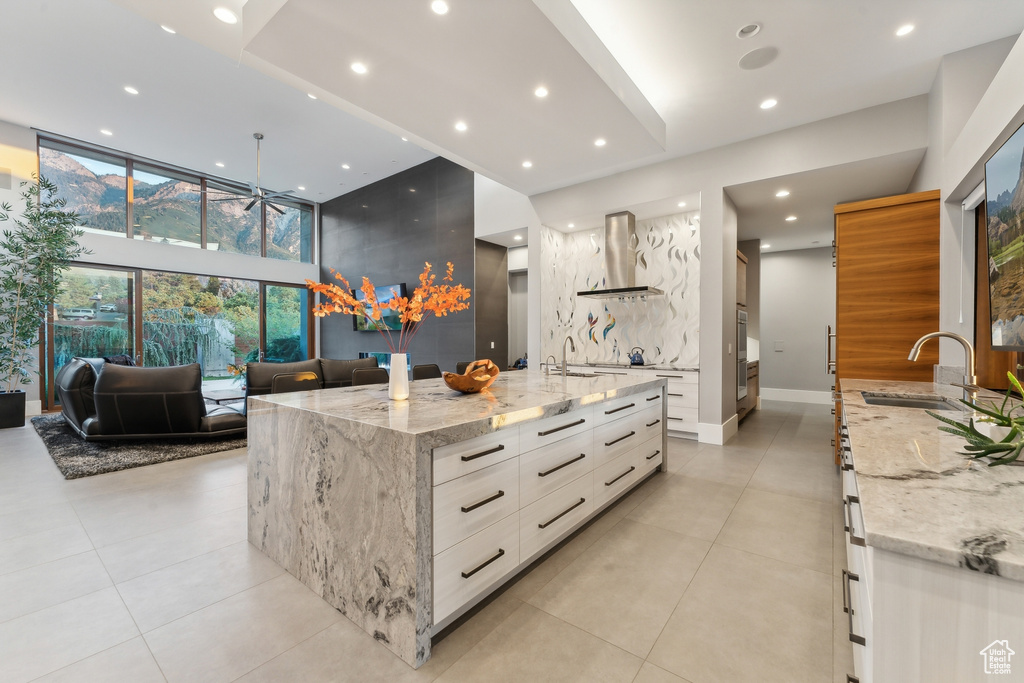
[
  {"x": 255, "y": 189},
  {"x": 269, "y": 195},
  {"x": 227, "y": 199},
  {"x": 252, "y": 203},
  {"x": 274, "y": 208}
]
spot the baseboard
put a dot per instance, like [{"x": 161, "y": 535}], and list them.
[
  {"x": 717, "y": 434},
  {"x": 33, "y": 408},
  {"x": 796, "y": 395}
]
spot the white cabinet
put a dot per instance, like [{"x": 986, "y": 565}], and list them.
[
  {"x": 502, "y": 499},
  {"x": 683, "y": 398}
]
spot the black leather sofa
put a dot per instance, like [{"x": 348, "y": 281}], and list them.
[
  {"x": 330, "y": 373},
  {"x": 102, "y": 401}
]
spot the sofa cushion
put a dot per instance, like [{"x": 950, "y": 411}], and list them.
[
  {"x": 134, "y": 400},
  {"x": 259, "y": 377},
  {"x": 74, "y": 386},
  {"x": 222, "y": 418},
  {"x": 338, "y": 373}
]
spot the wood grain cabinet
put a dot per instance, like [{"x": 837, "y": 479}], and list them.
[
  {"x": 741, "y": 280},
  {"x": 887, "y": 289},
  {"x": 749, "y": 403}
]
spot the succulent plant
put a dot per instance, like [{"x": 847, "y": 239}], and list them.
[{"x": 1004, "y": 451}]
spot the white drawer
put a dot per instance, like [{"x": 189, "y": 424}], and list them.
[
  {"x": 533, "y": 435},
  {"x": 615, "y": 438},
  {"x": 456, "y": 459},
  {"x": 543, "y": 523},
  {"x": 609, "y": 371},
  {"x": 649, "y": 455},
  {"x": 687, "y": 399},
  {"x": 621, "y": 406},
  {"x": 651, "y": 423},
  {"x": 547, "y": 469},
  {"x": 682, "y": 420},
  {"x": 676, "y": 377},
  {"x": 614, "y": 477},
  {"x": 467, "y": 569},
  {"x": 466, "y": 505},
  {"x": 858, "y": 623}
]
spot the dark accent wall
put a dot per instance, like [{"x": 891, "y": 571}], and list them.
[
  {"x": 386, "y": 231},
  {"x": 491, "y": 295}
]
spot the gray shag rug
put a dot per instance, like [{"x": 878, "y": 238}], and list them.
[{"x": 76, "y": 458}]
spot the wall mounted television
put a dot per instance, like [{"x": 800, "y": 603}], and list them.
[
  {"x": 1004, "y": 212},
  {"x": 389, "y": 319}
]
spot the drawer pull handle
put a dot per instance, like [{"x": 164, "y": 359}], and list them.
[
  {"x": 671, "y": 376},
  {"x": 564, "y": 464},
  {"x": 561, "y": 514},
  {"x": 609, "y": 483},
  {"x": 615, "y": 410},
  {"x": 599, "y": 372},
  {"x": 466, "y": 575},
  {"x": 612, "y": 443},
  {"x": 558, "y": 429},
  {"x": 854, "y": 539},
  {"x": 847, "y": 578},
  {"x": 483, "y": 502},
  {"x": 651, "y": 424},
  {"x": 846, "y": 518},
  {"x": 467, "y": 458},
  {"x": 654, "y": 454},
  {"x": 654, "y": 398},
  {"x": 676, "y": 395}
]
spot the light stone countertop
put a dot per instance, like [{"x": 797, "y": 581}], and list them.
[
  {"x": 920, "y": 496},
  {"x": 656, "y": 366}
]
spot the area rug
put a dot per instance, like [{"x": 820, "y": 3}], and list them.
[{"x": 76, "y": 458}]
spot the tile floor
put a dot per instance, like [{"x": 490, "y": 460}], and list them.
[{"x": 725, "y": 568}]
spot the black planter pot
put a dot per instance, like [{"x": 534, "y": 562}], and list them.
[{"x": 12, "y": 409}]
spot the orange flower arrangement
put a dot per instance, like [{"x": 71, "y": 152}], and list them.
[{"x": 428, "y": 298}]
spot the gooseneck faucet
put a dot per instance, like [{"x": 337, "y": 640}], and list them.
[
  {"x": 572, "y": 346},
  {"x": 970, "y": 384},
  {"x": 547, "y": 365}
]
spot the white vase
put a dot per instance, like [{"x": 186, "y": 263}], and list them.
[{"x": 398, "y": 386}]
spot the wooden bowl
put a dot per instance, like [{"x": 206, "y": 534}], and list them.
[{"x": 479, "y": 375}]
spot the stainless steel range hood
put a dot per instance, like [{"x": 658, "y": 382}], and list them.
[{"x": 620, "y": 244}]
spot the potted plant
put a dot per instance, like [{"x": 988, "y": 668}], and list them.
[{"x": 33, "y": 258}]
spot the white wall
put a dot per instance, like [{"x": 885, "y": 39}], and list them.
[{"x": 798, "y": 299}]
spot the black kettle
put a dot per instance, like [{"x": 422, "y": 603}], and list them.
[{"x": 636, "y": 356}]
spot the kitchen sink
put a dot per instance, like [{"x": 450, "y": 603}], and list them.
[
  {"x": 923, "y": 402},
  {"x": 579, "y": 374}
]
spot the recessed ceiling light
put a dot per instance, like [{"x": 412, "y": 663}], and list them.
[
  {"x": 167, "y": 28},
  {"x": 405, "y": 139},
  {"x": 790, "y": 218},
  {"x": 461, "y": 126},
  {"x": 766, "y": 246},
  {"x": 904, "y": 30},
  {"x": 412, "y": 189},
  {"x": 782, "y": 193},
  {"x": 130, "y": 90},
  {"x": 301, "y": 188},
  {"x": 572, "y": 225},
  {"x": 748, "y": 30},
  {"x": 359, "y": 67},
  {"x": 541, "y": 91},
  {"x": 311, "y": 96},
  {"x": 219, "y": 164},
  {"x": 439, "y": 7},
  {"x": 105, "y": 131},
  {"x": 346, "y": 166},
  {"x": 769, "y": 103},
  {"x": 518, "y": 238},
  {"x": 681, "y": 204},
  {"x": 225, "y": 15},
  {"x": 527, "y": 164},
  {"x": 600, "y": 142}
]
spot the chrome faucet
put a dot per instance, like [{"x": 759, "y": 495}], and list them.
[
  {"x": 970, "y": 385},
  {"x": 547, "y": 365},
  {"x": 572, "y": 346}
]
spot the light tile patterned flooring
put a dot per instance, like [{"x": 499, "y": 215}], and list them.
[{"x": 725, "y": 568}]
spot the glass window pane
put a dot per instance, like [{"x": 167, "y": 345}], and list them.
[
  {"x": 94, "y": 185},
  {"x": 287, "y": 324},
  {"x": 93, "y": 315},
  {"x": 166, "y": 208},
  {"x": 229, "y": 227},
  {"x": 289, "y": 234},
  {"x": 199, "y": 319}
]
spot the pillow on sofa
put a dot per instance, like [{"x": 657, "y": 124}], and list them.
[{"x": 338, "y": 373}]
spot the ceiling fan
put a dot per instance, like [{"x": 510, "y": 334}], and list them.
[{"x": 259, "y": 195}]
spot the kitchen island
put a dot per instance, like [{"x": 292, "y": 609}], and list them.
[
  {"x": 934, "y": 585},
  {"x": 404, "y": 514}
]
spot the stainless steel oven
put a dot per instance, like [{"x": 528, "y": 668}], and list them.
[{"x": 741, "y": 355}]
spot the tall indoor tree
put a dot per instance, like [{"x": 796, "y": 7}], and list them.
[{"x": 33, "y": 259}]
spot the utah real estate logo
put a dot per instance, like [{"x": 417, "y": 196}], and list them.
[{"x": 997, "y": 657}]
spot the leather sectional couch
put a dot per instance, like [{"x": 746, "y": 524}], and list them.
[
  {"x": 330, "y": 373},
  {"x": 103, "y": 401}
]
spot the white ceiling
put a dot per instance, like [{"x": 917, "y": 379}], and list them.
[{"x": 656, "y": 78}]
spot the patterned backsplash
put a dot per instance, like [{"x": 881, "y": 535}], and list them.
[{"x": 666, "y": 327}]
